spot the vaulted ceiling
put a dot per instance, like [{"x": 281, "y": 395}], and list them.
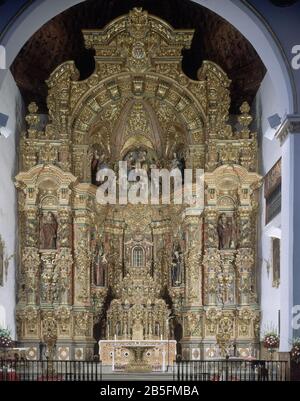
[{"x": 61, "y": 39}]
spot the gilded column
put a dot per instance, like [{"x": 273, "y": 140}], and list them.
[
  {"x": 193, "y": 287},
  {"x": 82, "y": 258}
]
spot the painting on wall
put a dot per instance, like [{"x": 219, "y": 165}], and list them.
[
  {"x": 276, "y": 261},
  {"x": 1, "y": 262},
  {"x": 272, "y": 183}
]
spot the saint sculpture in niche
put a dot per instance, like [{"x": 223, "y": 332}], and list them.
[
  {"x": 100, "y": 267},
  {"x": 177, "y": 266},
  {"x": 178, "y": 163},
  {"x": 98, "y": 164},
  {"x": 48, "y": 231},
  {"x": 225, "y": 232}
]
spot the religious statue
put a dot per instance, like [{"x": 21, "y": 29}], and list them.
[
  {"x": 177, "y": 267},
  {"x": 48, "y": 231},
  {"x": 138, "y": 159},
  {"x": 225, "y": 232},
  {"x": 118, "y": 331},
  {"x": 94, "y": 166},
  {"x": 30, "y": 287},
  {"x": 55, "y": 290},
  {"x": 64, "y": 284},
  {"x": 131, "y": 161},
  {"x": 157, "y": 329},
  {"x": 100, "y": 267},
  {"x": 46, "y": 281},
  {"x": 178, "y": 163},
  {"x": 142, "y": 160},
  {"x": 98, "y": 164}
]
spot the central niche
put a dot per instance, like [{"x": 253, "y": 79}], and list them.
[
  {"x": 140, "y": 128},
  {"x": 138, "y": 257}
]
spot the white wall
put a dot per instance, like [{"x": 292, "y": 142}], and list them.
[
  {"x": 270, "y": 152},
  {"x": 10, "y": 104}
]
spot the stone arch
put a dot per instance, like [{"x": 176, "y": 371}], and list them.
[
  {"x": 40, "y": 173},
  {"x": 237, "y": 174},
  {"x": 97, "y": 95},
  {"x": 240, "y": 14},
  {"x": 119, "y": 139}
]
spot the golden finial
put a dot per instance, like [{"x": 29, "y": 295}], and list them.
[
  {"x": 33, "y": 108},
  {"x": 32, "y": 119},
  {"x": 245, "y": 119}
]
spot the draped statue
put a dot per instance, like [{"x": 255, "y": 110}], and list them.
[
  {"x": 225, "y": 232},
  {"x": 177, "y": 267},
  {"x": 48, "y": 231},
  {"x": 100, "y": 266},
  {"x": 98, "y": 163},
  {"x": 178, "y": 163}
]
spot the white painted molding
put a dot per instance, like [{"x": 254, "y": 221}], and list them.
[
  {"x": 270, "y": 134},
  {"x": 2, "y": 317},
  {"x": 273, "y": 229},
  {"x": 290, "y": 125},
  {"x": 273, "y": 232}
]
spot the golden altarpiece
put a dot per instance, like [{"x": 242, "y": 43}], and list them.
[{"x": 137, "y": 271}]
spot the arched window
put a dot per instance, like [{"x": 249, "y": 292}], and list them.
[{"x": 138, "y": 257}]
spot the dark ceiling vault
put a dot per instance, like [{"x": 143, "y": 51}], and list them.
[{"x": 61, "y": 39}]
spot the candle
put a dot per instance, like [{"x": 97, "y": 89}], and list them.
[
  {"x": 161, "y": 336},
  {"x": 115, "y": 337}
]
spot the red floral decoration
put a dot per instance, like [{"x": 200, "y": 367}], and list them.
[
  {"x": 271, "y": 340},
  {"x": 295, "y": 352}
]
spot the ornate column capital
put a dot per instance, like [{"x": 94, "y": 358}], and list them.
[{"x": 290, "y": 125}]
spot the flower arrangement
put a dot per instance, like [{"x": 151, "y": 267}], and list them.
[
  {"x": 295, "y": 351},
  {"x": 271, "y": 340},
  {"x": 5, "y": 338}
]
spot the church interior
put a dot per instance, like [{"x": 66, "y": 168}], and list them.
[{"x": 156, "y": 84}]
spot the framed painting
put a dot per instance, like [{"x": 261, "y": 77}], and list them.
[
  {"x": 276, "y": 261},
  {"x": 1, "y": 262}
]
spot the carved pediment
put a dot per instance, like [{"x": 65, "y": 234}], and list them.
[{"x": 138, "y": 40}]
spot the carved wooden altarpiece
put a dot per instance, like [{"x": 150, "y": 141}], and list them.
[{"x": 137, "y": 271}]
